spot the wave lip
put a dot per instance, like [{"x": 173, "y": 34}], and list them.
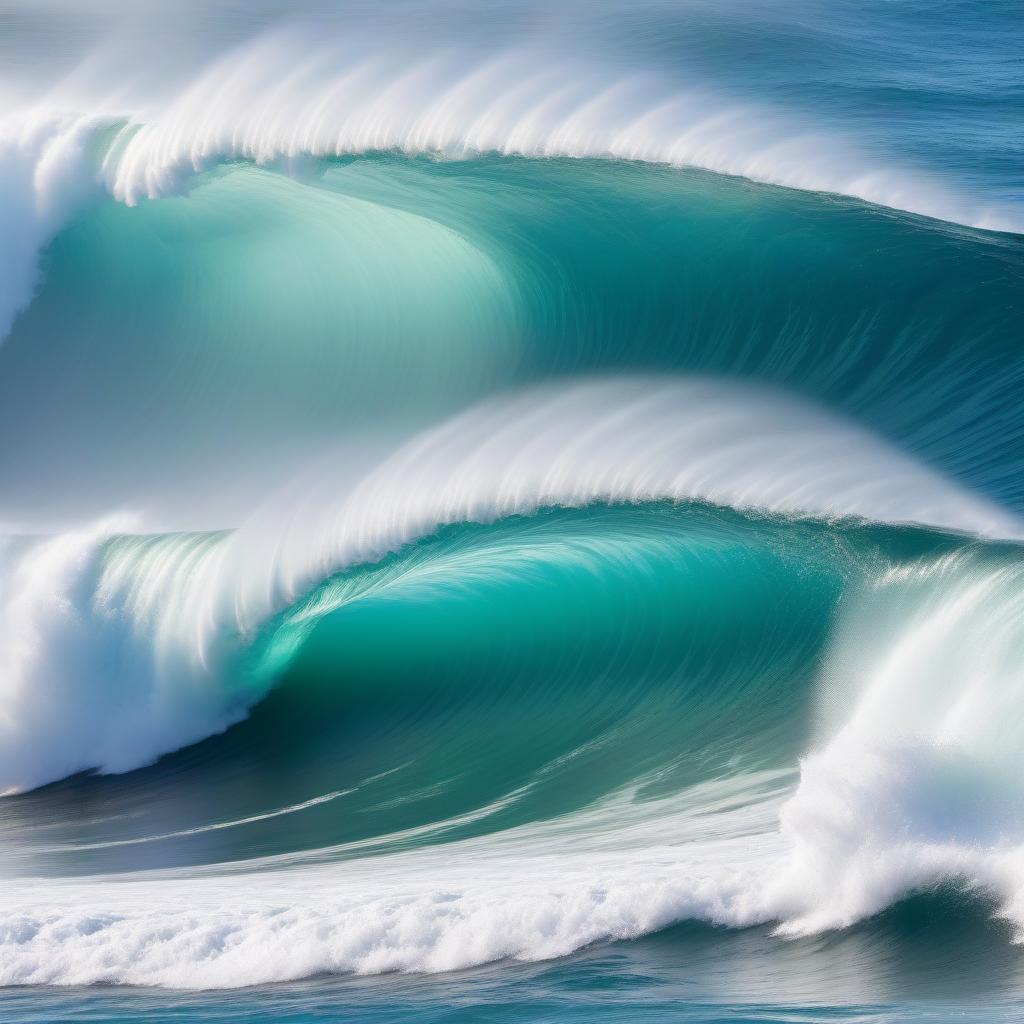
[
  {"x": 283, "y": 98},
  {"x": 627, "y": 440}
]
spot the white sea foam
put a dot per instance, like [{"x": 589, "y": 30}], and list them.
[
  {"x": 416, "y": 913},
  {"x": 915, "y": 780},
  {"x": 83, "y": 684}
]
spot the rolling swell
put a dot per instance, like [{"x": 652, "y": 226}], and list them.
[
  {"x": 493, "y": 701},
  {"x": 156, "y": 625}
]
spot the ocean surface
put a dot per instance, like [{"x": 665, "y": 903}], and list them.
[{"x": 511, "y": 511}]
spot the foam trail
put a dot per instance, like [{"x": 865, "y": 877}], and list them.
[{"x": 406, "y": 914}]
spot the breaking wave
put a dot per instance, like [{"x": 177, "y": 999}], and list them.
[{"x": 470, "y": 498}]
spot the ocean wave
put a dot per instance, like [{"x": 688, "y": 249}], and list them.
[
  {"x": 287, "y": 98},
  {"x": 570, "y": 462},
  {"x": 173, "y": 614},
  {"x": 908, "y": 789}
]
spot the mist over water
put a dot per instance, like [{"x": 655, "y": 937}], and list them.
[{"x": 511, "y": 509}]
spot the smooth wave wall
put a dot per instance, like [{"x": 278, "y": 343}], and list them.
[{"x": 222, "y": 341}]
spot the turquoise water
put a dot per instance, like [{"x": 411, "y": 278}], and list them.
[{"x": 511, "y": 512}]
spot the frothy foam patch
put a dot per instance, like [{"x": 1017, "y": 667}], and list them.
[
  {"x": 917, "y": 782},
  {"x": 87, "y": 680},
  {"x": 227, "y": 940}
]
